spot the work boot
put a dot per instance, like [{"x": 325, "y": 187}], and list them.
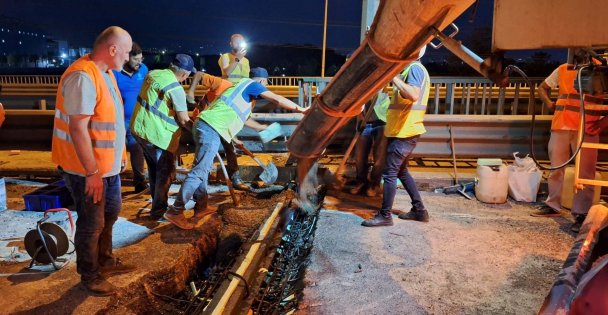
[
  {"x": 98, "y": 286},
  {"x": 415, "y": 215},
  {"x": 140, "y": 188},
  {"x": 200, "y": 212},
  {"x": 179, "y": 220},
  {"x": 116, "y": 268},
  {"x": 546, "y": 212},
  {"x": 380, "y": 219},
  {"x": 156, "y": 215},
  {"x": 578, "y": 223},
  {"x": 238, "y": 183},
  {"x": 357, "y": 189}
]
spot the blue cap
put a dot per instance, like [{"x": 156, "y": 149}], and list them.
[
  {"x": 258, "y": 73},
  {"x": 185, "y": 62}
]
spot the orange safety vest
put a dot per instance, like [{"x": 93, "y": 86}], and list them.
[
  {"x": 568, "y": 104},
  {"x": 213, "y": 87},
  {"x": 102, "y": 126}
]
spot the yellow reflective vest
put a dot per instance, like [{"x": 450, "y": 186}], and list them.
[
  {"x": 241, "y": 71},
  {"x": 405, "y": 118}
]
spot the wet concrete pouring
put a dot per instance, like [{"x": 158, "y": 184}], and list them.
[{"x": 471, "y": 258}]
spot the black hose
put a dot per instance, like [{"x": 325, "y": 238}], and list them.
[{"x": 508, "y": 70}]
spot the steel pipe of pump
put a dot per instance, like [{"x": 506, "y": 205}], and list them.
[{"x": 399, "y": 30}]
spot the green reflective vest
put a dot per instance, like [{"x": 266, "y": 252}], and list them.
[
  {"x": 153, "y": 118},
  {"x": 381, "y": 105},
  {"x": 227, "y": 114}
]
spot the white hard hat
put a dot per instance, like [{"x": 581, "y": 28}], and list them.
[{"x": 422, "y": 51}]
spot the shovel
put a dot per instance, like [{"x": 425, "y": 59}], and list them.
[
  {"x": 461, "y": 189},
  {"x": 270, "y": 173},
  {"x": 235, "y": 200}
]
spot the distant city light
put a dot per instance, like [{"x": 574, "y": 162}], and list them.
[
  {"x": 54, "y": 60},
  {"x": 3, "y": 41},
  {"x": 19, "y": 42},
  {"x": 162, "y": 52},
  {"x": 19, "y": 32},
  {"x": 63, "y": 55},
  {"x": 197, "y": 54}
]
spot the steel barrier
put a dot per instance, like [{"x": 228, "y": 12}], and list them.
[
  {"x": 474, "y": 136},
  {"x": 449, "y": 95}
]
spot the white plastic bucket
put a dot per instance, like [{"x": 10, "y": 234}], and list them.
[{"x": 492, "y": 183}]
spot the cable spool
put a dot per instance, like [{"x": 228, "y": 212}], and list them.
[{"x": 51, "y": 235}]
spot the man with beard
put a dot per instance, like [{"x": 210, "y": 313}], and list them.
[{"x": 130, "y": 80}]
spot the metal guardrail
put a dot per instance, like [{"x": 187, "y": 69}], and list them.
[
  {"x": 474, "y": 136},
  {"x": 449, "y": 95}
]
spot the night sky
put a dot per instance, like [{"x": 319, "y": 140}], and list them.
[{"x": 205, "y": 26}]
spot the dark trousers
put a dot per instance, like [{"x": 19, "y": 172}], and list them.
[
  {"x": 232, "y": 167},
  {"x": 136, "y": 156},
  {"x": 93, "y": 239},
  {"x": 397, "y": 157},
  {"x": 372, "y": 140},
  {"x": 161, "y": 172}
]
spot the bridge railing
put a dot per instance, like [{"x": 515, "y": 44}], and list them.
[{"x": 448, "y": 95}]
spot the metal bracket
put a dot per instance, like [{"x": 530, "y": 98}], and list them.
[{"x": 456, "y": 31}]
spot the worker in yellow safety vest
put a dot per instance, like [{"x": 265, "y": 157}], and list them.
[
  {"x": 224, "y": 118},
  {"x": 89, "y": 151},
  {"x": 234, "y": 65},
  {"x": 159, "y": 113},
  {"x": 404, "y": 125},
  {"x": 564, "y": 140}
]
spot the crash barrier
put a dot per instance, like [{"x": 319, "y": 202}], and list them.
[
  {"x": 474, "y": 136},
  {"x": 449, "y": 95}
]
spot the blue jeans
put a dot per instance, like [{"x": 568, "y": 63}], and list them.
[
  {"x": 161, "y": 172},
  {"x": 93, "y": 239},
  {"x": 397, "y": 156},
  {"x": 136, "y": 155},
  {"x": 207, "y": 143},
  {"x": 232, "y": 166},
  {"x": 372, "y": 139}
]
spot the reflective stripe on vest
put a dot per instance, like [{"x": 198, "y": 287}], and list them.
[
  {"x": 103, "y": 144},
  {"x": 96, "y": 125},
  {"x": 587, "y": 98},
  {"x": 154, "y": 110},
  {"x": 236, "y": 102}
]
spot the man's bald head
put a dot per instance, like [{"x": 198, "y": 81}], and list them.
[
  {"x": 111, "y": 35},
  {"x": 112, "y": 47}
]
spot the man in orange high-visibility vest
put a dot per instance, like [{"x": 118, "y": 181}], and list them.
[
  {"x": 89, "y": 150},
  {"x": 563, "y": 142}
]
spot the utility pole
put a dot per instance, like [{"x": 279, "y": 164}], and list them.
[{"x": 324, "y": 42}]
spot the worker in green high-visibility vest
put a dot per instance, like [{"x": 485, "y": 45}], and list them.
[{"x": 224, "y": 118}]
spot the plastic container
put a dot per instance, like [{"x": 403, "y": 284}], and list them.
[
  {"x": 55, "y": 195},
  {"x": 492, "y": 181},
  {"x": 568, "y": 188}
]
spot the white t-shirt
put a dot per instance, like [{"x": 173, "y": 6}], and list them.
[
  {"x": 553, "y": 79},
  {"x": 80, "y": 98}
]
